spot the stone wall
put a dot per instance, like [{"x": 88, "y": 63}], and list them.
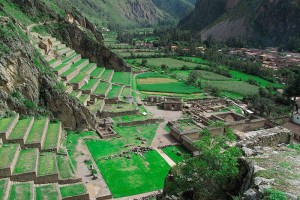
[
  {"x": 53, "y": 178},
  {"x": 30, "y": 176},
  {"x": 105, "y": 114},
  {"x": 136, "y": 123}
]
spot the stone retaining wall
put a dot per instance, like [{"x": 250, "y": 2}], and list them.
[
  {"x": 69, "y": 181},
  {"x": 136, "y": 123},
  {"x": 53, "y": 178},
  {"x": 10, "y": 128},
  {"x": 25, "y": 177},
  {"x": 117, "y": 114}
]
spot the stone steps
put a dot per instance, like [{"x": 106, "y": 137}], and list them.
[
  {"x": 64, "y": 50},
  {"x": 56, "y": 64},
  {"x": 10, "y": 154},
  {"x": 11, "y": 123},
  {"x": 68, "y": 53},
  {"x": 19, "y": 190}
]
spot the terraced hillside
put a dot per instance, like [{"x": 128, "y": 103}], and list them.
[{"x": 34, "y": 164}]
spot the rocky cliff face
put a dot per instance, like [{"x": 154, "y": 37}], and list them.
[{"x": 263, "y": 22}]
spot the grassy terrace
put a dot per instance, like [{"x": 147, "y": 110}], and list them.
[
  {"x": 20, "y": 191},
  {"x": 87, "y": 67},
  {"x": 46, "y": 192},
  {"x": 51, "y": 139},
  {"x": 123, "y": 78},
  {"x": 170, "y": 62},
  {"x": 97, "y": 72},
  {"x": 90, "y": 84},
  {"x": 59, "y": 67},
  {"x": 119, "y": 107},
  {"x": 26, "y": 161},
  {"x": 78, "y": 78},
  {"x": 74, "y": 93},
  {"x": 69, "y": 58},
  {"x": 96, "y": 106},
  {"x": 7, "y": 153},
  {"x": 83, "y": 98},
  {"x": 47, "y": 164},
  {"x": 106, "y": 74},
  {"x": 126, "y": 92},
  {"x": 171, "y": 151},
  {"x": 3, "y": 183},
  {"x": 20, "y": 129},
  {"x": 4, "y": 124},
  {"x": 36, "y": 132},
  {"x": 114, "y": 92},
  {"x": 73, "y": 190},
  {"x": 130, "y": 118},
  {"x": 64, "y": 167},
  {"x": 101, "y": 88}
]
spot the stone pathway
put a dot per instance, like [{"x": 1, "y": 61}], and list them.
[{"x": 166, "y": 157}]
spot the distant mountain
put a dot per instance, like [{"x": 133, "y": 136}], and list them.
[
  {"x": 131, "y": 13},
  {"x": 264, "y": 22}
]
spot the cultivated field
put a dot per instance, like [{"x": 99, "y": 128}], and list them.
[{"x": 170, "y": 62}]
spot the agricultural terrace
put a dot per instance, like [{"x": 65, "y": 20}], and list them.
[
  {"x": 123, "y": 78},
  {"x": 64, "y": 166},
  {"x": 107, "y": 74},
  {"x": 140, "y": 53},
  {"x": 130, "y": 118},
  {"x": 36, "y": 132},
  {"x": 47, "y": 164},
  {"x": 52, "y": 138},
  {"x": 206, "y": 75},
  {"x": 3, "y": 183},
  {"x": 177, "y": 153},
  {"x": 170, "y": 62},
  {"x": 194, "y": 60},
  {"x": 114, "y": 92},
  {"x": 4, "y": 124},
  {"x": 154, "y": 82},
  {"x": 140, "y": 173},
  {"x": 46, "y": 192},
  {"x": 26, "y": 161},
  {"x": 21, "y": 191},
  {"x": 7, "y": 153},
  {"x": 73, "y": 190},
  {"x": 20, "y": 129}
]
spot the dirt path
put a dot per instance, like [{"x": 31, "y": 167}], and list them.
[{"x": 96, "y": 187}]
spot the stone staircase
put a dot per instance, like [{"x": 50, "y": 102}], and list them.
[{"x": 31, "y": 155}]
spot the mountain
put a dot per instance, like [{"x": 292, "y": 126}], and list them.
[
  {"x": 263, "y": 22},
  {"x": 131, "y": 13}
]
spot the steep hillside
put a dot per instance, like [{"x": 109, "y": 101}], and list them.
[
  {"x": 263, "y": 22},
  {"x": 128, "y": 13}
]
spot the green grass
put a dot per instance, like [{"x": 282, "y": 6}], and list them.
[
  {"x": 122, "y": 78},
  {"x": 126, "y": 92},
  {"x": 171, "y": 151},
  {"x": 3, "y": 183},
  {"x": 90, "y": 84},
  {"x": 106, "y": 74},
  {"x": 74, "y": 93},
  {"x": 114, "y": 92},
  {"x": 20, "y": 191},
  {"x": 97, "y": 72},
  {"x": 64, "y": 167},
  {"x": 51, "y": 139},
  {"x": 245, "y": 77},
  {"x": 151, "y": 75},
  {"x": 83, "y": 98},
  {"x": 78, "y": 78},
  {"x": 126, "y": 177},
  {"x": 59, "y": 67},
  {"x": 87, "y": 67},
  {"x": 46, "y": 192},
  {"x": 170, "y": 62},
  {"x": 73, "y": 190},
  {"x": 47, "y": 164},
  {"x": 174, "y": 87},
  {"x": 96, "y": 106},
  {"x": 101, "y": 88},
  {"x": 7, "y": 153},
  {"x": 4, "y": 123},
  {"x": 36, "y": 132},
  {"x": 130, "y": 118},
  {"x": 20, "y": 129},
  {"x": 26, "y": 161},
  {"x": 195, "y": 60},
  {"x": 69, "y": 58},
  {"x": 232, "y": 95},
  {"x": 205, "y": 75}
]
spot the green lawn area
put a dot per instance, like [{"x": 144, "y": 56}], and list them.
[
  {"x": 36, "y": 132},
  {"x": 245, "y": 77},
  {"x": 122, "y": 78},
  {"x": 170, "y": 62},
  {"x": 171, "y": 151},
  {"x": 7, "y": 153},
  {"x": 107, "y": 74},
  {"x": 4, "y": 123},
  {"x": 97, "y": 72},
  {"x": 101, "y": 88},
  {"x": 26, "y": 161},
  {"x": 51, "y": 139},
  {"x": 3, "y": 183},
  {"x": 46, "y": 192},
  {"x": 78, "y": 78},
  {"x": 47, "y": 164},
  {"x": 174, "y": 87},
  {"x": 21, "y": 191},
  {"x": 126, "y": 177},
  {"x": 96, "y": 106},
  {"x": 73, "y": 190},
  {"x": 114, "y": 92},
  {"x": 64, "y": 167},
  {"x": 20, "y": 129},
  {"x": 90, "y": 84},
  {"x": 236, "y": 87}
]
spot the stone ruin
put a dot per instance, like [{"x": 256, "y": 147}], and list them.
[{"x": 166, "y": 103}]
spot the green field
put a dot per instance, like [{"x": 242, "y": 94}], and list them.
[
  {"x": 170, "y": 62},
  {"x": 114, "y": 92},
  {"x": 89, "y": 85},
  {"x": 46, "y": 192},
  {"x": 36, "y": 132},
  {"x": 137, "y": 175},
  {"x": 123, "y": 78},
  {"x": 107, "y": 74},
  {"x": 97, "y": 72},
  {"x": 78, "y": 78},
  {"x": 130, "y": 118},
  {"x": 20, "y": 191},
  {"x": 64, "y": 167},
  {"x": 73, "y": 190},
  {"x": 176, "y": 87},
  {"x": 47, "y": 164},
  {"x": 20, "y": 129},
  {"x": 171, "y": 151},
  {"x": 195, "y": 60},
  {"x": 4, "y": 123},
  {"x": 205, "y": 75},
  {"x": 101, "y": 88},
  {"x": 126, "y": 92},
  {"x": 3, "y": 184},
  {"x": 7, "y": 153},
  {"x": 51, "y": 139},
  {"x": 26, "y": 161},
  {"x": 151, "y": 75}
]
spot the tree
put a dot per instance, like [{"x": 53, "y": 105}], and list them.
[
  {"x": 209, "y": 176},
  {"x": 144, "y": 62},
  {"x": 193, "y": 77},
  {"x": 293, "y": 89}
]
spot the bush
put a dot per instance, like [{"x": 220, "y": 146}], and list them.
[{"x": 272, "y": 194}]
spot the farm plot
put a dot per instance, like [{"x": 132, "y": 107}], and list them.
[
  {"x": 195, "y": 60},
  {"x": 46, "y": 192},
  {"x": 47, "y": 164},
  {"x": 177, "y": 153},
  {"x": 20, "y": 129},
  {"x": 52, "y": 138},
  {"x": 97, "y": 72},
  {"x": 4, "y": 124},
  {"x": 206, "y": 75},
  {"x": 107, "y": 74},
  {"x": 114, "y": 92},
  {"x": 26, "y": 161},
  {"x": 123, "y": 78},
  {"x": 73, "y": 190},
  {"x": 21, "y": 191},
  {"x": 64, "y": 167},
  {"x": 89, "y": 85},
  {"x": 101, "y": 88},
  {"x": 235, "y": 87},
  {"x": 7, "y": 153},
  {"x": 170, "y": 62},
  {"x": 36, "y": 132}
]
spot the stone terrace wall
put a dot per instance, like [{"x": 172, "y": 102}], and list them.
[{"x": 136, "y": 123}]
